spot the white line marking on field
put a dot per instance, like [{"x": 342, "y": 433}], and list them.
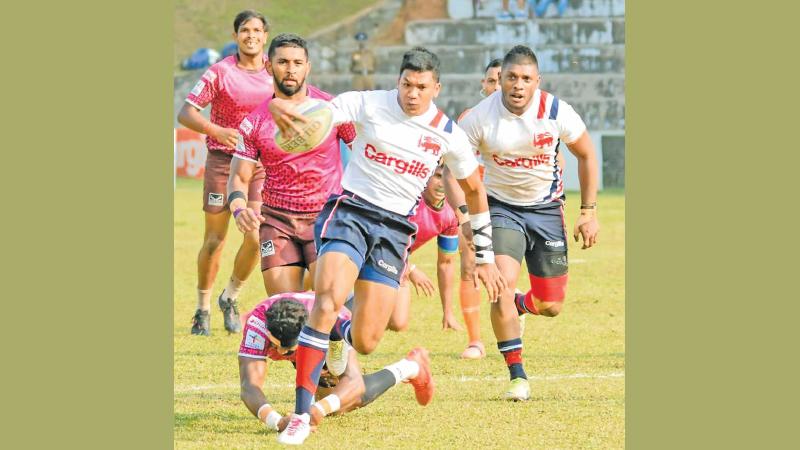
[
  {"x": 461, "y": 379},
  {"x": 576, "y": 261}
]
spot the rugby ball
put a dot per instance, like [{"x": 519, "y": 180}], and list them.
[{"x": 313, "y": 132}]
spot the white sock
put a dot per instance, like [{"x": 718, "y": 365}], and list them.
[
  {"x": 232, "y": 289},
  {"x": 204, "y": 299},
  {"x": 403, "y": 370},
  {"x": 328, "y": 405}
]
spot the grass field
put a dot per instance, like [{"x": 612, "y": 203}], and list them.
[{"x": 576, "y": 362}]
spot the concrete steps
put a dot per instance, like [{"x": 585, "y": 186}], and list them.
[
  {"x": 550, "y": 31},
  {"x": 469, "y": 59}
]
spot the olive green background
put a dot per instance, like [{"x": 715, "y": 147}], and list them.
[{"x": 711, "y": 310}]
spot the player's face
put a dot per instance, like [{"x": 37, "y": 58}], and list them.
[
  {"x": 491, "y": 82},
  {"x": 519, "y": 82},
  {"x": 278, "y": 347},
  {"x": 416, "y": 90},
  {"x": 289, "y": 67},
  {"x": 251, "y": 37},
  {"x": 434, "y": 191}
]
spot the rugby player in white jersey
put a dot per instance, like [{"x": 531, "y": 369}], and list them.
[
  {"x": 363, "y": 234},
  {"x": 518, "y": 131}
]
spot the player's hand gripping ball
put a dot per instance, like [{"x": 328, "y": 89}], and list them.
[{"x": 311, "y": 133}]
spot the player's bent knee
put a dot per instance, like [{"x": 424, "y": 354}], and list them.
[
  {"x": 550, "y": 309},
  {"x": 398, "y": 325},
  {"x": 364, "y": 346}
]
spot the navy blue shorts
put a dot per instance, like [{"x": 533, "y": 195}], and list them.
[
  {"x": 376, "y": 240},
  {"x": 536, "y": 232}
]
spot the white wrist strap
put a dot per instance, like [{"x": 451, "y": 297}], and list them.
[{"x": 482, "y": 237}]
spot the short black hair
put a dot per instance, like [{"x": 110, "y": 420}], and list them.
[
  {"x": 287, "y": 40},
  {"x": 497, "y": 62},
  {"x": 420, "y": 59},
  {"x": 285, "y": 318},
  {"x": 246, "y": 15},
  {"x": 520, "y": 54}
]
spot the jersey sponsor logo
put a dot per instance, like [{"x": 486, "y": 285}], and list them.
[
  {"x": 257, "y": 323},
  {"x": 254, "y": 340},
  {"x": 215, "y": 199},
  {"x": 554, "y": 243},
  {"x": 527, "y": 163},
  {"x": 542, "y": 140},
  {"x": 210, "y": 76},
  {"x": 246, "y": 126},
  {"x": 430, "y": 144},
  {"x": 198, "y": 88},
  {"x": 267, "y": 248},
  {"x": 390, "y": 268},
  {"x": 401, "y": 166}
]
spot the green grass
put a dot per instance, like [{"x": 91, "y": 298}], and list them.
[
  {"x": 209, "y": 23},
  {"x": 576, "y": 362}
]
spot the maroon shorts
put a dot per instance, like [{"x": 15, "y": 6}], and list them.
[
  {"x": 287, "y": 238},
  {"x": 215, "y": 182}
]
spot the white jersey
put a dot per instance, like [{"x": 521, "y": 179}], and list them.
[
  {"x": 519, "y": 152},
  {"x": 394, "y": 154}
]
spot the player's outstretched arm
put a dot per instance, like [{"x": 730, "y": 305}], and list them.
[
  {"x": 191, "y": 118},
  {"x": 485, "y": 269},
  {"x": 251, "y": 377},
  {"x": 586, "y": 226},
  {"x": 238, "y": 181},
  {"x": 445, "y": 276},
  {"x": 455, "y": 198}
]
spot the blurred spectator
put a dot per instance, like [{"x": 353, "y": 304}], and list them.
[
  {"x": 201, "y": 58},
  {"x": 540, "y": 7},
  {"x": 521, "y": 12},
  {"x": 362, "y": 65},
  {"x": 229, "y": 49}
]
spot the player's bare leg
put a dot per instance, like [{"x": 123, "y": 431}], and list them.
[
  {"x": 470, "y": 297},
  {"x": 216, "y": 227},
  {"x": 246, "y": 260},
  {"x": 505, "y": 323},
  {"x": 402, "y": 306},
  {"x": 335, "y": 275}
]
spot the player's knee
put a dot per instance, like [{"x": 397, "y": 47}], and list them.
[
  {"x": 364, "y": 346},
  {"x": 325, "y": 304},
  {"x": 550, "y": 309},
  {"x": 398, "y": 325},
  {"x": 213, "y": 243}
]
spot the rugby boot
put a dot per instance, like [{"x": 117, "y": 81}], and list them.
[
  {"x": 201, "y": 323},
  {"x": 336, "y": 358},
  {"x": 230, "y": 314},
  {"x": 297, "y": 431},
  {"x": 519, "y": 390},
  {"x": 423, "y": 383}
]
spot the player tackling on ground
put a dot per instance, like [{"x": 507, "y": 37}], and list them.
[
  {"x": 296, "y": 184},
  {"x": 364, "y": 234},
  {"x": 271, "y": 333},
  {"x": 518, "y": 131},
  {"x": 234, "y": 87}
]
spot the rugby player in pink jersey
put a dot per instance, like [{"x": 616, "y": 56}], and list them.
[
  {"x": 434, "y": 219},
  {"x": 363, "y": 234},
  {"x": 296, "y": 185},
  {"x": 233, "y": 87},
  {"x": 271, "y": 333}
]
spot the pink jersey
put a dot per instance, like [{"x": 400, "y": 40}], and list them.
[
  {"x": 254, "y": 335},
  {"x": 431, "y": 223},
  {"x": 233, "y": 93},
  {"x": 298, "y": 182}
]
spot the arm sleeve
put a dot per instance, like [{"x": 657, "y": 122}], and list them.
[
  {"x": 459, "y": 157},
  {"x": 205, "y": 91},
  {"x": 246, "y": 147},
  {"x": 570, "y": 124},
  {"x": 447, "y": 240},
  {"x": 347, "y": 107},
  {"x": 346, "y": 132}
]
